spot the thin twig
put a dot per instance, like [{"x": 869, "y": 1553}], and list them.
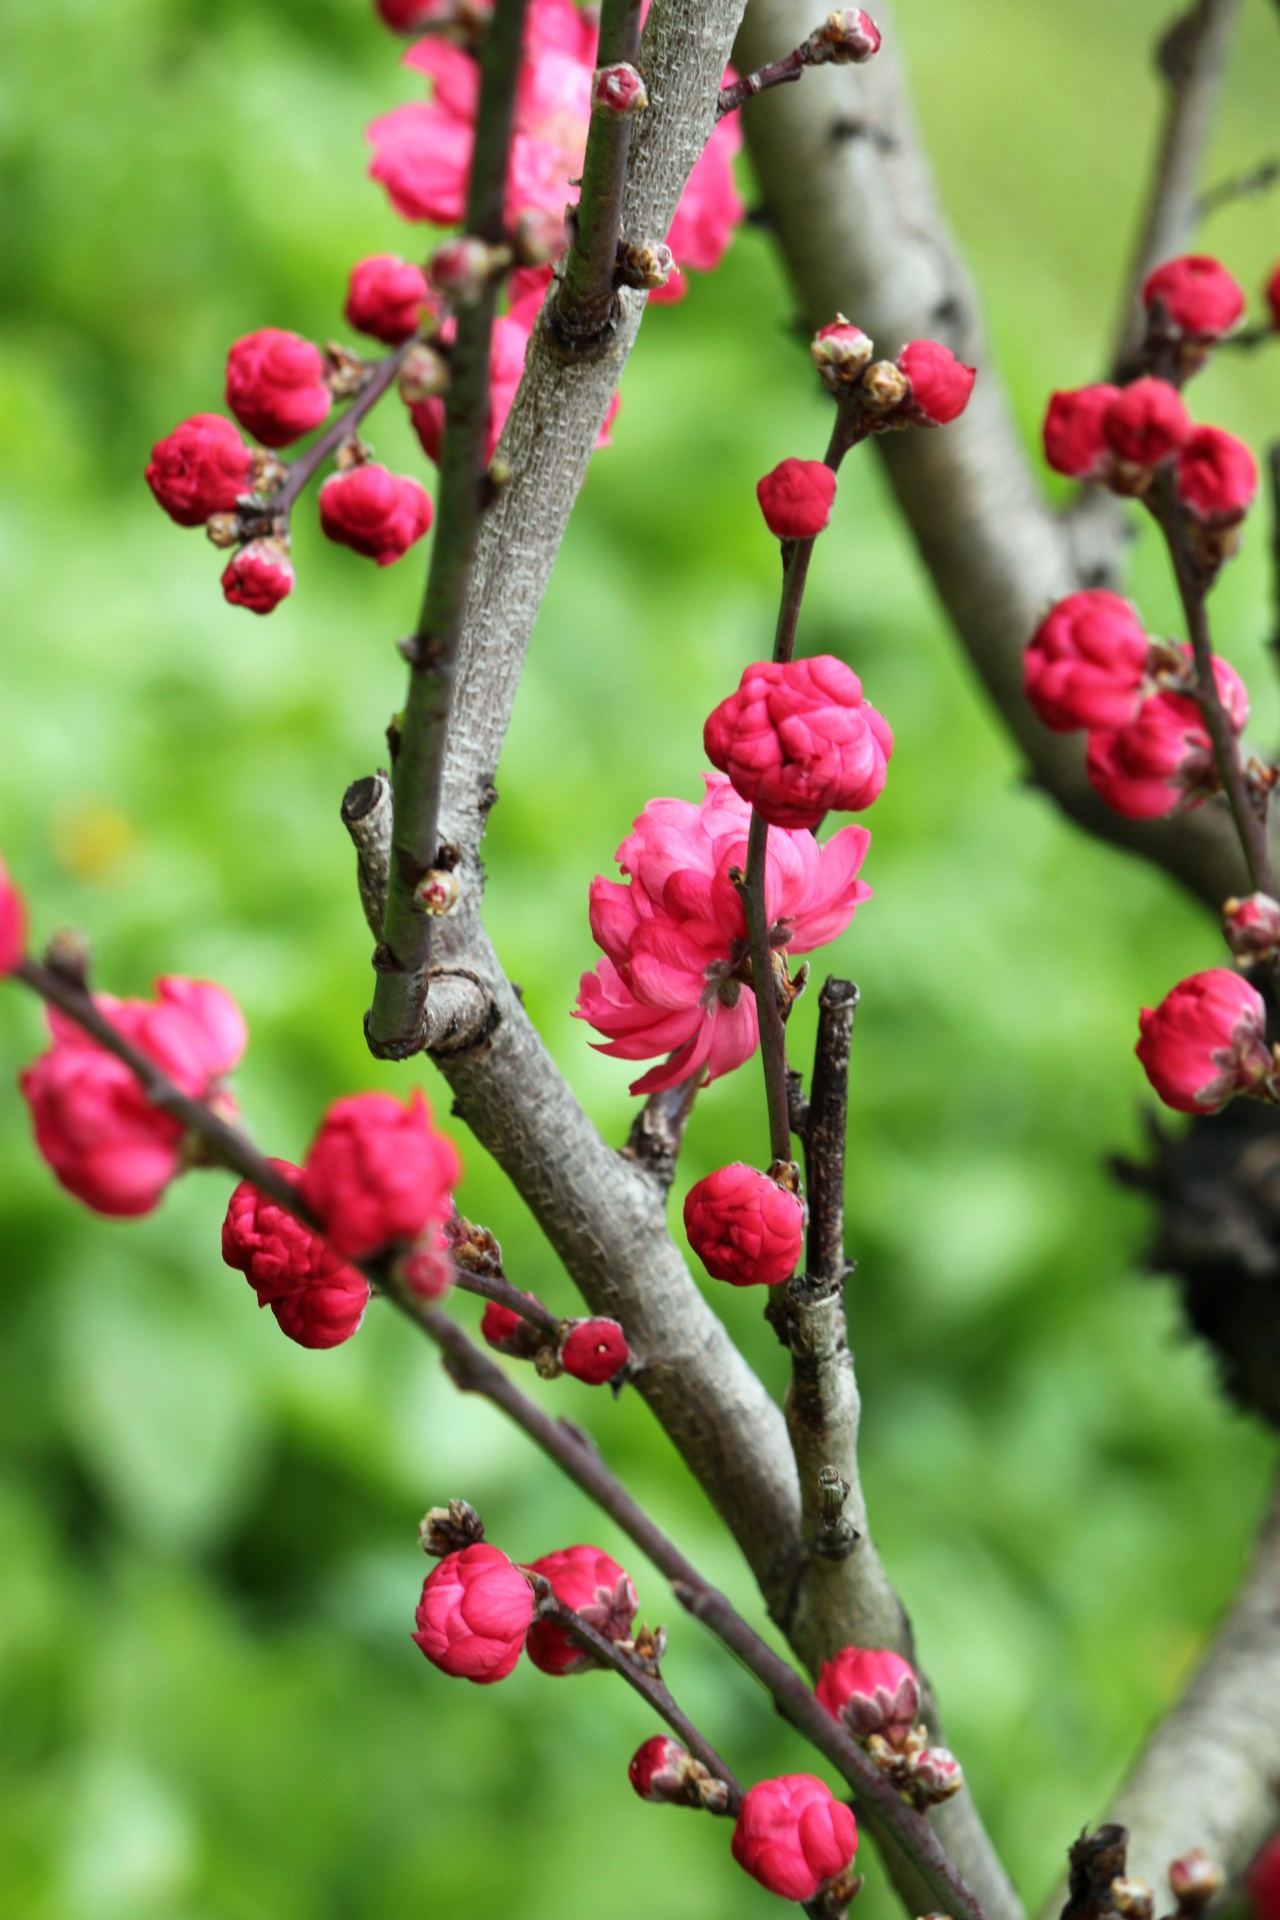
[
  {"x": 846, "y": 433},
  {"x": 650, "y": 1688},
  {"x": 376, "y": 381},
  {"x": 586, "y": 299},
  {"x": 773, "y": 1038},
  {"x": 819, "y": 49},
  {"x": 1242, "y": 186},
  {"x": 395, "y": 1025},
  {"x": 824, "y": 1135}
]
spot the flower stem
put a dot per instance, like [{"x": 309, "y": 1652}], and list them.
[
  {"x": 773, "y": 1039},
  {"x": 845, "y": 434}
]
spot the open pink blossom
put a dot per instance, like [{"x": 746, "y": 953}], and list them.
[
  {"x": 1206, "y": 1042},
  {"x": 1163, "y": 758},
  {"x": 1086, "y": 662},
  {"x": 792, "y": 1835},
  {"x": 797, "y": 740},
  {"x": 105, "y": 1141},
  {"x": 13, "y": 923},
  {"x": 871, "y": 1691},
  {"x": 674, "y": 936},
  {"x": 595, "y": 1586},
  {"x": 473, "y": 1615}
]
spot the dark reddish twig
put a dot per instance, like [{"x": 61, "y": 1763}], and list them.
[
  {"x": 821, "y": 47},
  {"x": 377, "y": 379}
]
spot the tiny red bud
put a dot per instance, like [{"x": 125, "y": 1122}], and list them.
[
  {"x": 426, "y": 1269},
  {"x": 594, "y": 1351},
  {"x": 658, "y": 1770},
  {"x": 618, "y": 90},
  {"x": 1074, "y": 442},
  {"x": 259, "y": 577},
  {"x": 796, "y": 498},
  {"x": 871, "y": 1692},
  {"x": 840, "y": 352},
  {"x": 374, "y": 512},
  {"x": 1195, "y": 1880},
  {"x": 1216, "y": 476},
  {"x": 1199, "y": 298},
  {"x": 385, "y": 298},
  {"x": 933, "y": 1775},
  {"x": 1252, "y": 930},
  {"x": 940, "y": 384},
  {"x": 853, "y": 33},
  {"x": 437, "y": 893},
  {"x": 1206, "y": 1042},
  {"x": 507, "y": 1331}
]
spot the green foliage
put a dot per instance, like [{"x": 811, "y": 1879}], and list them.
[{"x": 209, "y": 1705}]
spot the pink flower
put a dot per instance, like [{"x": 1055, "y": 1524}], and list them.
[
  {"x": 317, "y": 1299},
  {"x": 870, "y": 1692},
  {"x": 1146, "y": 423},
  {"x": 1216, "y": 476},
  {"x": 473, "y": 1615},
  {"x": 1200, "y": 299},
  {"x": 940, "y": 384},
  {"x": 259, "y": 576},
  {"x": 276, "y": 385},
  {"x": 1163, "y": 759},
  {"x": 1206, "y": 1042},
  {"x": 13, "y": 923},
  {"x": 103, "y": 1139},
  {"x": 659, "y": 1771},
  {"x": 199, "y": 469},
  {"x": 374, "y": 512},
  {"x": 379, "y": 1173},
  {"x": 797, "y": 740},
  {"x": 596, "y": 1587},
  {"x": 1087, "y": 662},
  {"x": 674, "y": 937},
  {"x": 594, "y": 1351},
  {"x": 1263, "y": 1877},
  {"x": 796, "y": 498},
  {"x": 792, "y": 1835},
  {"x": 744, "y": 1227},
  {"x": 1074, "y": 442},
  {"x": 1251, "y": 926},
  {"x": 385, "y": 298}
]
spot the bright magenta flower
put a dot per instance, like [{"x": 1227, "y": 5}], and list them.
[
  {"x": 674, "y": 936},
  {"x": 1206, "y": 1042},
  {"x": 259, "y": 576},
  {"x": 1216, "y": 476},
  {"x": 797, "y": 740},
  {"x": 792, "y": 1835},
  {"x": 940, "y": 384},
  {"x": 1146, "y": 423},
  {"x": 1200, "y": 299},
  {"x": 385, "y": 297},
  {"x": 199, "y": 469},
  {"x": 317, "y": 1299},
  {"x": 378, "y": 1173},
  {"x": 1074, "y": 442},
  {"x": 1086, "y": 663},
  {"x": 375, "y": 512},
  {"x": 1163, "y": 759},
  {"x": 473, "y": 1615},
  {"x": 744, "y": 1227},
  {"x": 595, "y": 1586},
  {"x": 276, "y": 385},
  {"x": 870, "y": 1691},
  {"x": 13, "y": 923}
]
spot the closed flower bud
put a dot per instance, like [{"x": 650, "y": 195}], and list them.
[
  {"x": 200, "y": 469},
  {"x": 507, "y": 1331},
  {"x": 259, "y": 577},
  {"x": 840, "y": 352},
  {"x": 594, "y": 1586},
  {"x": 618, "y": 90},
  {"x": 793, "y": 1835},
  {"x": 451, "y": 1529},
  {"x": 1198, "y": 297},
  {"x": 13, "y": 923},
  {"x": 1195, "y": 1880},
  {"x": 1252, "y": 928},
  {"x": 1132, "y": 1897},
  {"x": 1074, "y": 442},
  {"x": 385, "y": 298},
  {"x": 473, "y": 1615},
  {"x": 645, "y": 264},
  {"x": 594, "y": 1351},
  {"x": 871, "y": 1692},
  {"x": 940, "y": 384},
  {"x": 276, "y": 385},
  {"x": 379, "y": 1173},
  {"x": 659, "y": 1771},
  {"x": 1216, "y": 476},
  {"x": 374, "y": 512},
  {"x": 437, "y": 893},
  {"x": 1146, "y": 423},
  {"x": 460, "y": 269},
  {"x": 1087, "y": 662},
  {"x": 796, "y": 498},
  {"x": 884, "y": 387},
  {"x": 744, "y": 1227},
  {"x": 1163, "y": 759},
  {"x": 540, "y": 237},
  {"x": 1206, "y": 1042},
  {"x": 852, "y": 34},
  {"x": 326, "y": 1313},
  {"x": 283, "y": 1260},
  {"x": 932, "y": 1776},
  {"x": 797, "y": 740},
  {"x": 1263, "y": 1878}
]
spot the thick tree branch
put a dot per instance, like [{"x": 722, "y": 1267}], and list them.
[{"x": 858, "y": 221}]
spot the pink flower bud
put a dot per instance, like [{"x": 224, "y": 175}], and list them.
[
  {"x": 1272, "y": 296},
  {"x": 199, "y": 469},
  {"x": 1263, "y": 1877},
  {"x": 1146, "y": 423},
  {"x": 374, "y": 512},
  {"x": 1200, "y": 299},
  {"x": 744, "y": 1227},
  {"x": 13, "y": 923},
  {"x": 1216, "y": 476},
  {"x": 932, "y": 1776},
  {"x": 594, "y": 1351},
  {"x": 853, "y": 33},
  {"x": 276, "y": 1252},
  {"x": 940, "y": 384},
  {"x": 379, "y": 1173},
  {"x": 259, "y": 576},
  {"x": 1206, "y": 1042},
  {"x": 796, "y": 498},
  {"x": 385, "y": 298},
  {"x": 276, "y": 385},
  {"x": 507, "y": 1331},
  {"x": 595, "y": 1586},
  {"x": 797, "y": 740},
  {"x": 1252, "y": 926},
  {"x": 1163, "y": 758},
  {"x": 840, "y": 352},
  {"x": 460, "y": 269},
  {"x": 473, "y": 1615},
  {"x": 1086, "y": 663},
  {"x": 326, "y": 1312},
  {"x": 618, "y": 90},
  {"x": 793, "y": 1835},
  {"x": 1195, "y": 1880},
  {"x": 659, "y": 1771},
  {"x": 1074, "y": 442},
  {"x": 102, "y": 1137},
  {"x": 871, "y": 1692}
]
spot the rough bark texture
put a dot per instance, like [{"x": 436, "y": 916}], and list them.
[{"x": 859, "y": 223}]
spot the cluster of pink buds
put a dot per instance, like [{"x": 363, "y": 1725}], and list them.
[
  {"x": 593, "y": 1351},
  {"x": 876, "y": 1696},
  {"x": 1091, "y": 666},
  {"x": 479, "y": 1611},
  {"x": 926, "y": 386}
]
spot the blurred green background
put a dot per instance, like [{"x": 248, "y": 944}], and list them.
[{"x": 210, "y": 1708}]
